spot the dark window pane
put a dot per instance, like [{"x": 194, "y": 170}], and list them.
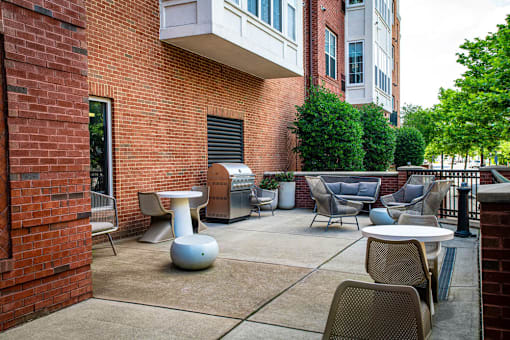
[
  {"x": 265, "y": 9},
  {"x": 252, "y": 7},
  {"x": 98, "y": 148},
  {"x": 277, "y": 15},
  {"x": 327, "y": 65},
  {"x": 333, "y": 68}
]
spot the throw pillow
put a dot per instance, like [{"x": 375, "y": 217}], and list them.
[
  {"x": 350, "y": 189},
  {"x": 335, "y": 187},
  {"x": 412, "y": 191},
  {"x": 367, "y": 189}
]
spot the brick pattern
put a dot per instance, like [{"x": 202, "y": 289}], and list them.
[
  {"x": 48, "y": 144},
  {"x": 161, "y": 96},
  {"x": 487, "y": 178},
  {"x": 332, "y": 18},
  {"x": 389, "y": 184},
  {"x": 495, "y": 234},
  {"x": 5, "y": 239}
]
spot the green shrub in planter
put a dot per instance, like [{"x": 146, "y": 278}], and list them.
[
  {"x": 285, "y": 177},
  {"x": 410, "y": 147},
  {"x": 378, "y": 138},
  {"x": 329, "y": 133},
  {"x": 269, "y": 184}
]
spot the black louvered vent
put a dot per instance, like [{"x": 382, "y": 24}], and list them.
[{"x": 224, "y": 140}]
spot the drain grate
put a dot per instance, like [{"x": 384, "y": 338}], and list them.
[{"x": 445, "y": 277}]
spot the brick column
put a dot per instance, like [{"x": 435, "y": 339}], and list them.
[
  {"x": 495, "y": 234},
  {"x": 46, "y": 102}
]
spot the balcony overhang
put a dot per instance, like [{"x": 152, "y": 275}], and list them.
[{"x": 221, "y": 31}]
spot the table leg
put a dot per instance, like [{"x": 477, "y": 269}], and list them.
[{"x": 182, "y": 217}]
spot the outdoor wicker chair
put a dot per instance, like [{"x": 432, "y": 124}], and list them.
[
  {"x": 400, "y": 263},
  {"x": 372, "y": 311},
  {"x": 196, "y": 204},
  {"x": 260, "y": 197},
  {"x": 416, "y": 186},
  {"x": 432, "y": 249},
  {"x": 329, "y": 205},
  {"x": 162, "y": 220},
  {"x": 103, "y": 216},
  {"x": 498, "y": 177},
  {"x": 427, "y": 204}
]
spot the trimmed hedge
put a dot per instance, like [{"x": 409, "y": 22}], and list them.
[{"x": 410, "y": 147}]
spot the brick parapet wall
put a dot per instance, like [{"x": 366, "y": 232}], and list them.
[
  {"x": 486, "y": 176},
  {"x": 46, "y": 76},
  {"x": 389, "y": 184},
  {"x": 495, "y": 256}
]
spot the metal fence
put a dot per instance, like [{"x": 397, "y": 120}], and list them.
[{"x": 449, "y": 207}]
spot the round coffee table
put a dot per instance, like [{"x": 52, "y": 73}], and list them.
[
  {"x": 399, "y": 232},
  {"x": 194, "y": 252},
  {"x": 180, "y": 206}
]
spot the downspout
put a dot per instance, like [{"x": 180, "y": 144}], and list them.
[{"x": 310, "y": 61}]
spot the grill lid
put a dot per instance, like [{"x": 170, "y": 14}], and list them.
[{"x": 236, "y": 169}]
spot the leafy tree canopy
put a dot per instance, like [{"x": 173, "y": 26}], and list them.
[{"x": 423, "y": 119}]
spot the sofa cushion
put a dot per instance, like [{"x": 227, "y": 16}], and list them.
[
  {"x": 335, "y": 187},
  {"x": 349, "y": 189},
  {"x": 367, "y": 189},
  {"x": 356, "y": 198},
  {"x": 412, "y": 191}
]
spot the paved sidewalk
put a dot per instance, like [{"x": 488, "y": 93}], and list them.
[{"x": 274, "y": 279}]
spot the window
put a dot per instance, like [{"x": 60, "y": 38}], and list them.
[
  {"x": 376, "y": 76},
  {"x": 356, "y": 63},
  {"x": 100, "y": 145},
  {"x": 253, "y": 7},
  {"x": 277, "y": 14},
  {"x": 224, "y": 140},
  {"x": 265, "y": 9},
  {"x": 235, "y": 2},
  {"x": 355, "y": 2},
  {"x": 291, "y": 19},
  {"x": 330, "y": 49}
]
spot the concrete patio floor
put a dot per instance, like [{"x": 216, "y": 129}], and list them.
[{"x": 274, "y": 279}]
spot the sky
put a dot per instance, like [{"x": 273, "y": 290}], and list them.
[{"x": 431, "y": 33}]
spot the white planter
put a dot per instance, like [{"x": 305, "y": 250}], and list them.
[
  {"x": 287, "y": 195},
  {"x": 270, "y": 194}
]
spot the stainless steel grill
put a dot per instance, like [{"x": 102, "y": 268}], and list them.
[{"x": 229, "y": 198}]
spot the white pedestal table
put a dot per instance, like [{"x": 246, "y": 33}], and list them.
[{"x": 180, "y": 206}]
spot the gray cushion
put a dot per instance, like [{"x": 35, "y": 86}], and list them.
[
  {"x": 356, "y": 198},
  {"x": 101, "y": 226},
  {"x": 335, "y": 187},
  {"x": 350, "y": 189},
  {"x": 412, "y": 191},
  {"x": 367, "y": 189},
  {"x": 262, "y": 200}
]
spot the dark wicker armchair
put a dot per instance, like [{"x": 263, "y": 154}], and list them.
[{"x": 329, "y": 205}]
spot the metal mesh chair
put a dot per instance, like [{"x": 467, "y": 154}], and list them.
[
  {"x": 428, "y": 204},
  {"x": 371, "y": 311},
  {"x": 260, "y": 197},
  {"x": 399, "y": 262},
  {"x": 103, "y": 216},
  {"x": 432, "y": 249},
  {"x": 196, "y": 204},
  {"x": 330, "y": 206},
  {"x": 162, "y": 220},
  {"x": 398, "y": 198}
]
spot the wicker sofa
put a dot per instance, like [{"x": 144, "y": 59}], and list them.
[{"x": 353, "y": 188}]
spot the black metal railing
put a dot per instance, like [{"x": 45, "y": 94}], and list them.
[{"x": 449, "y": 206}]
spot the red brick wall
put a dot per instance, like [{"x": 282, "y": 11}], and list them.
[
  {"x": 5, "y": 238},
  {"x": 161, "y": 96},
  {"x": 46, "y": 76},
  {"x": 389, "y": 184},
  {"x": 332, "y": 18},
  {"x": 486, "y": 175},
  {"x": 495, "y": 234}
]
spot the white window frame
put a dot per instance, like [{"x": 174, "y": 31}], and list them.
[
  {"x": 330, "y": 32},
  {"x": 109, "y": 149},
  {"x": 362, "y": 63},
  {"x": 243, "y": 4},
  {"x": 293, "y": 4},
  {"x": 355, "y": 5}
]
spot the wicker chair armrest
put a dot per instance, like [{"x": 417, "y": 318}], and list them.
[{"x": 386, "y": 199}]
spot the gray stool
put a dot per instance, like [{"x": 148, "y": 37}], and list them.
[{"x": 379, "y": 216}]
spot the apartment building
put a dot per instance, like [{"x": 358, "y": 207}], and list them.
[{"x": 372, "y": 54}]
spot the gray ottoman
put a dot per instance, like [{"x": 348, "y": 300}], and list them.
[
  {"x": 194, "y": 252},
  {"x": 379, "y": 216}
]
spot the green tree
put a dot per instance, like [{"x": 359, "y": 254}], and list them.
[
  {"x": 329, "y": 133},
  {"x": 423, "y": 119},
  {"x": 410, "y": 147},
  {"x": 378, "y": 140},
  {"x": 487, "y": 78}
]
